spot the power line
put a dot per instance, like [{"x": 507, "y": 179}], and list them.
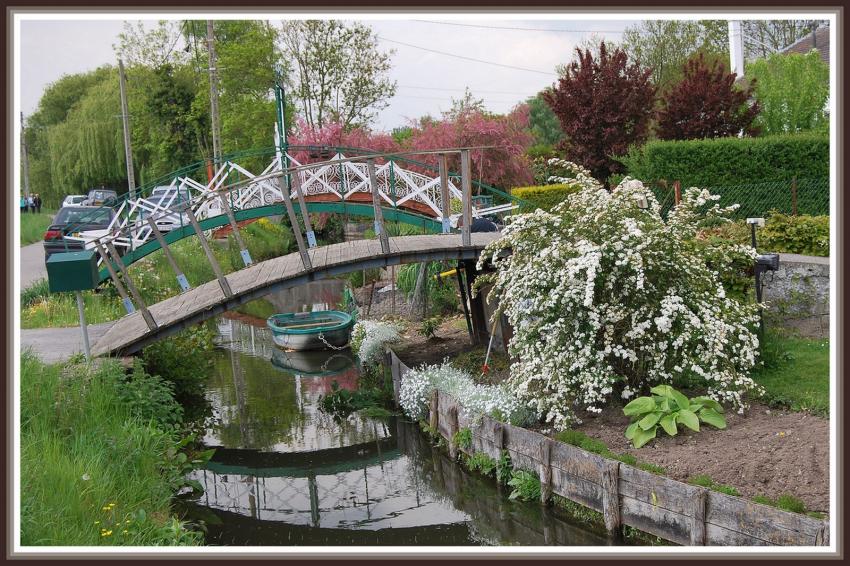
[
  {"x": 473, "y": 90},
  {"x": 521, "y": 29},
  {"x": 468, "y": 58}
]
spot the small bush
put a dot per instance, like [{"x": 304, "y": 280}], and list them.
[
  {"x": 526, "y": 485},
  {"x": 544, "y": 196},
  {"x": 369, "y": 337},
  {"x": 806, "y": 235},
  {"x": 428, "y": 327},
  {"x": 184, "y": 360},
  {"x": 482, "y": 463}
]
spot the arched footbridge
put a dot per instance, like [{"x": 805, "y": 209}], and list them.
[
  {"x": 135, "y": 234},
  {"x": 133, "y": 332}
]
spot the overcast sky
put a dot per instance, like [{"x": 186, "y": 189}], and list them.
[{"x": 427, "y": 81}]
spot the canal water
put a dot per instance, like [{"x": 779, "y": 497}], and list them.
[{"x": 285, "y": 473}]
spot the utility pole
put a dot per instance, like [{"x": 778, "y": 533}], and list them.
[
  {"x": 25, "y": 160},
  {"x": 125, "y": 117},
  {"x": 216, "y": 132}
]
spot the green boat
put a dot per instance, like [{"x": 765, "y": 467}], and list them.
[{"x": 317, "y": 330}]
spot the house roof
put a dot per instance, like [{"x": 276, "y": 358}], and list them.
[{"x": 817, "y": 39}]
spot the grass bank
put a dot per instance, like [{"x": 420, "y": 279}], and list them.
[
  {"x": 795, "y": 373},
  {"x": 153, "y": 277},
  {"x": 33, "y": 225},
  {"x": 100, "y": 457}
]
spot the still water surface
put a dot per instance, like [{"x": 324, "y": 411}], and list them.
[{"x": 285, "y": 473}]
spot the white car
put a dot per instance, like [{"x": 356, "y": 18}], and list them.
[
  {"x": 73, "y": 200},
  {"x": 167, "y": 198}
]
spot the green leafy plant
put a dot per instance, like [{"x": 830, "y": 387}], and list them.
[
  {"x": 504, "y": 467},
  {"x": 463, "y": 438},
  {"x": 786, "y": 502},
  {"x": 526, "y": 485},
  {"x": 482, "y": 463},
  {"x": 429, "y": 327},
  {"x": 668, "y": 408}
]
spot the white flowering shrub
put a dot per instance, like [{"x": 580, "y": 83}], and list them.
[
  {"x": 368, "y": 338},
  {"x": 605, "y": 296},
  {"x": 475, "y": 400}
]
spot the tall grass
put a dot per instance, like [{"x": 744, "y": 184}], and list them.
[
  {"x": 34, "y": 225},
  {"x": 95, "y": 468}
]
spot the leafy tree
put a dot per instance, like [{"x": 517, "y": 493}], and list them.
[
  {"x": 53, "y": 108},
  {"x": 706, "y": 104},
  {"x": 793, "y": 91},
  {"x": 152, "y": 48},
  {"x": 504, "y": 165},
  {"x": 542, "y": 122},
  {"x": 763, "y": 37},
  {"x": 340, "y": 74},
  {"x": 665, "y": 45},
  {"x": 465, "y": 105},
  {"x": 604, "y": 105}
]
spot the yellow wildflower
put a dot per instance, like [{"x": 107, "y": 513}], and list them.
[
  {"x": 125, "y": 531},
  {"x": 97, "y": 522},
  {"x": 105, "y": 533}
]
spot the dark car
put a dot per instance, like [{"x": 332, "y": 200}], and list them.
[
  {"x": 72, "y": 221},
  {"x": 101, "y": 197}
]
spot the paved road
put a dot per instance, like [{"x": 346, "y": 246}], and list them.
[
  {"x": 58, "y": 344},
  {"x": 32, "y": 264}
]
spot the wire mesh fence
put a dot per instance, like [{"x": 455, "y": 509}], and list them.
[{"x": 794, "y": 196}]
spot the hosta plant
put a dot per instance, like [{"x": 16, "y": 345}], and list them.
[
  {"x": 668, "y": 408},
  {"x": 607, "y": 297}
]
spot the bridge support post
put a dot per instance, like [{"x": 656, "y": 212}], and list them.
[
  {"x": 219, "y": 274},
  {"x": 133, "y": 291},
  {"x": 380, "y": 229},
  {"x": 128, "y": 304},
  {"x": 293, "y": 220},
  {"x": 466, "y": 182},
  {"x": 444, "y": 192},
  {"x": 181, "y": 279},
  {"x": 299, "y": 194},
  {"x": 476, "y": 305},
  {"x": 243, "y": 249}
]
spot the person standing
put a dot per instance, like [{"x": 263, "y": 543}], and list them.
[
  {"x": 38, "y": 203},
  {"x": 31, "y": 203},
  {"x": 23, "y": 204}
]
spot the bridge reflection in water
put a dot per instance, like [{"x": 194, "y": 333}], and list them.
[{"x": 287, "y": 474}]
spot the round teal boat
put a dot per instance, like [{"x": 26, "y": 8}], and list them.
[{"x": 317, "y": 330}]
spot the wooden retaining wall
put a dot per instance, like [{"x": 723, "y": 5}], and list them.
[{"x": 625, "y": 495}]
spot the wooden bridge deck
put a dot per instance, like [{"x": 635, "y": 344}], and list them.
[{"x": 130, "y": 333}]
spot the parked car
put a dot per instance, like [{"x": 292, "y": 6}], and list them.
[
  {"x": 84, "y": 222},
  {"x": 74, "y": 200},
  {"x": 101, "y": 197},
  {"x": 171, "y": 199}
]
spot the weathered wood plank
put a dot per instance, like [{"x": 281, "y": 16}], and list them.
[
  {"x": 698, "y": 519},
  {"x": 657, "y": 490},
  {"x": 577, "y": 489},
  {"x": 655, "y": 520},
  {"x": 610, "y": 497},
  {"x": 578, "y": 462},
  {"x": 763, "y": 522}
]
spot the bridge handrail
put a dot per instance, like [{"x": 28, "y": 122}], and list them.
[{"x": 144, "y": 190}]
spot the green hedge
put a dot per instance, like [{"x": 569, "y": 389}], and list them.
[
  {"x": 543, "y": 196},
  {"x": 731, "y": 161}
]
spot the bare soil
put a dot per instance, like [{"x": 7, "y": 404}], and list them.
[{"x": 762, "y": 452}]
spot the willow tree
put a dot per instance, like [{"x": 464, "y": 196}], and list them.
[{"x": 87, "y": 148}]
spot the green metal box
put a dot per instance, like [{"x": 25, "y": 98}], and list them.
[{"x": 72, "y": 271}]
